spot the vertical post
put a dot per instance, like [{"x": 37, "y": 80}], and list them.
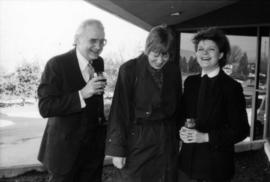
[
  {"x": 267, "y": 101},
  {"x": 255, "y": 93},
  {"x": 177, "y": 37},
  {"x": 177, "y": 46}
]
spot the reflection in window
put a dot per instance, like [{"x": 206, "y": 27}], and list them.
[
  {"x": 261, "y": 117},
  {"x": 188, "y": 62}
]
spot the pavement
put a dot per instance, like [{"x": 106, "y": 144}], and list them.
[{"x": 21, "y": 130}]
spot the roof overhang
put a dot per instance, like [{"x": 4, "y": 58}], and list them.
[
  {"x": 148, "y": 13},
  {"x": 186, "y": 15}
]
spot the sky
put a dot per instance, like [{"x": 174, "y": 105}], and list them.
[{"x": 36, "y": 30}]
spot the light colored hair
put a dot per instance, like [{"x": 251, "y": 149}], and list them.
[
  {"x": 160, "y": 39},
  {"x": 89, "y": 22}
]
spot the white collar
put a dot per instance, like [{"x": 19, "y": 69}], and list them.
[
  {"x": 212, "y": 73},
  {"x": 82, "y": 61}
]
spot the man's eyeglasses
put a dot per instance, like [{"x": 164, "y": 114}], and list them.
[{"x": 101, "y": 42}]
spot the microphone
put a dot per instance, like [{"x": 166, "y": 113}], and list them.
[{"x": 98, "y": 64}]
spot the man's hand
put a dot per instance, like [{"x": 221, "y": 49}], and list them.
[
  {"x": 119, "y": 162},
  {"x": 193, "y": 136},
  {"x": 93, "y": 86}
]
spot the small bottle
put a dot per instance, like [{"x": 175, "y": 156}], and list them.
[{"x": 190, "y": 123}]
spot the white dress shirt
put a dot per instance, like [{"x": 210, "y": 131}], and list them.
[{"x": 86, "y": 70}]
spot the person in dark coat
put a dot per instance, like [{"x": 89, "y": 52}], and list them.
[
  {"x": 216, "y": 105},
  {"x": 142, "y": 136},
  {"x": 72, "y": 147}
]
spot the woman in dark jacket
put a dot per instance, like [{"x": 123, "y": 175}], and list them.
[
  {"x": 215, "y": 103},
  {"x": 142, "y": 135}
]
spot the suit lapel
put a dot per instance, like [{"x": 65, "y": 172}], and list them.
[{"x": 73, "y": 71}]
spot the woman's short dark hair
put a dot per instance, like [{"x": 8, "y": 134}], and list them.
[
  {"x": 160, "y": 39},
  {"x": 218, "y": 37}
]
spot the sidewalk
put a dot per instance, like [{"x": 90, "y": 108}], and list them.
[
  {"x": 21, "y": 130},
  {"x": 18, "y": 154}
]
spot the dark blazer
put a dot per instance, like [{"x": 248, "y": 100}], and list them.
[
  {"x": 224, "y": 117},
  {"x": 68, "y": 124}
]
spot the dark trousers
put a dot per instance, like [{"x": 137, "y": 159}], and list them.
[
  {"x": 89, "y": 164},
  {"x": 182, "y": 177}
]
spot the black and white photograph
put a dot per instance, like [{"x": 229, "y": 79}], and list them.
[{"x": 134, "y": 91}]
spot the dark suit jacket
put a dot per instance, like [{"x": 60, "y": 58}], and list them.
[
  {"x": 224, "y": 117},
  {"x": 68, "y": 123}
]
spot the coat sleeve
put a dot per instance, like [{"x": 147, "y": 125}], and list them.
[
  {"x": 53, "y": 100},
  {"x": 183, "y": 106},
  {"x": 121, "y": 114},
  {"x": 179, "y": 112},
  {"x": 237, "y": 128}
]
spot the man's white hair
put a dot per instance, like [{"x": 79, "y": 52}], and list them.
[{"x": 84, "y": 25}]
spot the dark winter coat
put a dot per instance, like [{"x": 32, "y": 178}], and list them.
[{"x": 142, "y": 122}]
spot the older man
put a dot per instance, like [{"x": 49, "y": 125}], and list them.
[{"x": 72, "y": 147}]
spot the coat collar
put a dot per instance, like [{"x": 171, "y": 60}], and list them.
[
  {"x": 144, "y": 69},
  {"x": 211, "y": 74}
]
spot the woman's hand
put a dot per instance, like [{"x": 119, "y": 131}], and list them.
[
  {"x": 119, "y": 162},
  {"x": 193, "y": 136}
]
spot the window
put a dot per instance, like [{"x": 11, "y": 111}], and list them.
[{"x": 246, "y": 67}]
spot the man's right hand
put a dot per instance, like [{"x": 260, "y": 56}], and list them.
[
  {"x": 93, "y": 86},
  {"x": 119, "y": 162}
]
